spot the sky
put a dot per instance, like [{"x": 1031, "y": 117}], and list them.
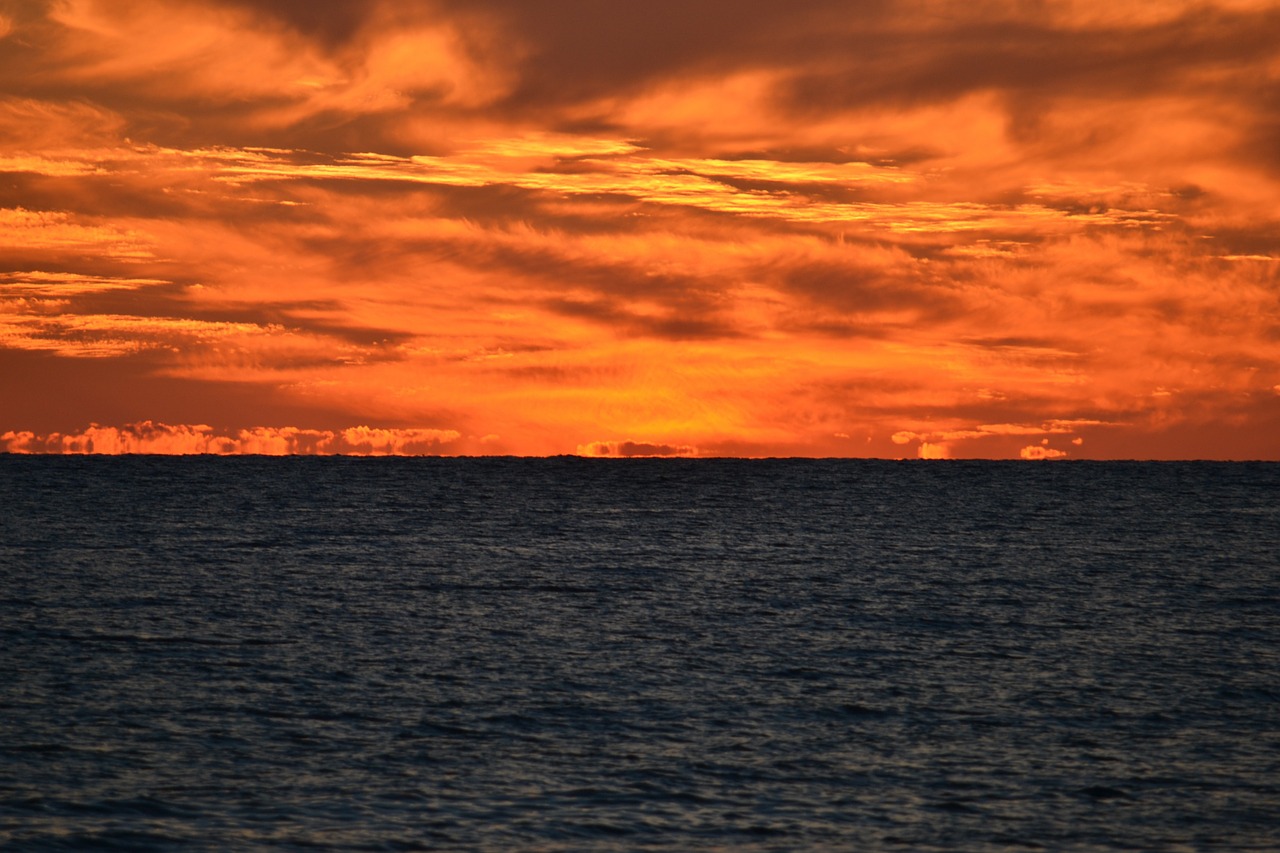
[{"x": 1031, "y": 229}]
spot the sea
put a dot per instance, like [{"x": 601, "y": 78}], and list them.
[{"x": 502, "y": 654}]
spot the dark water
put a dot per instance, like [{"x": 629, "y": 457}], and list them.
[{"x": 567, "y": 654}]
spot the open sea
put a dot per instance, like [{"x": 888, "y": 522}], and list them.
[{"x": 205, "y": 653}]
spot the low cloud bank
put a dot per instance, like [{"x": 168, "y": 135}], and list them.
[
  {"x": 1037, "y": 451},
  {"x": 634, "y": 449},
  {"x": 195, "y": 439}
]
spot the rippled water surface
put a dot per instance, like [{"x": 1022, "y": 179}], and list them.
[{"x": 566, "y": 654}]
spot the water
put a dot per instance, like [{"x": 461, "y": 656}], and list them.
[{"x": 564, "y": 654}]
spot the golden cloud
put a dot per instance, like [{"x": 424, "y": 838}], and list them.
[{"x": 147, "y": 437}]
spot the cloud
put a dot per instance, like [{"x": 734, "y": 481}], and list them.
[
  {"x": 741, "y": 228},
  {"x": 633, "y": 449},
  {"x": 928, "y": 450},
  {"x": 33, "y": 125},
  {"x": 1037, "y": 451},
  {"x": 991, "y": 430},
  {"x": 38, "y": 283},
  {"x": 366, "y": 441},
  {"x": 25, "y": 232},
  {"x": 112, "y": 335},
  {"x": 274, "y": 74},
  {"x": 147, "y": 437}
]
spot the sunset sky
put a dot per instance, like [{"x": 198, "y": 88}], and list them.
[{"x": 889, "y": 228}]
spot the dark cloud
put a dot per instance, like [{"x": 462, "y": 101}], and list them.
[
  {"x": 333, "y": 23},
  {"x": 853, "y": 153},
  {"x": 634, "y": 449},
  {"x": 1021, "y": 56},
  {"x": 581, "y": 49},
  {"x": 1027, "y": 342},
  {"x": 834, "y": 56},
  {"x": 1261, "y": 141},
  {"x": 627, "y": 322},
  {"x": 853, "y": 287},
  {"x": 1261, "y": 237}
]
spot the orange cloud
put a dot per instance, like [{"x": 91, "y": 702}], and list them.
[
  {"x": 196, "y": 439},
  {"x": 1038, "y": 451},
  {"x": 750, "y": 230},
  {"x": 928, "y": 450},
  {"x": 35, "y": 230}
]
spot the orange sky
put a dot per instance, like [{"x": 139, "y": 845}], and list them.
[{"x": 890, "y": 228}]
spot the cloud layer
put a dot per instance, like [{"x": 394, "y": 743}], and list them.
[
  {"x": 185, "y": 440},
  {"x": 879, "y": 228}
]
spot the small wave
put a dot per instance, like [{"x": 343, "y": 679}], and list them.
[{"x": 1104, "y": 792}]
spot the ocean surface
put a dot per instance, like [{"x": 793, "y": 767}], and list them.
[{"x": 567, "y": 654}]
